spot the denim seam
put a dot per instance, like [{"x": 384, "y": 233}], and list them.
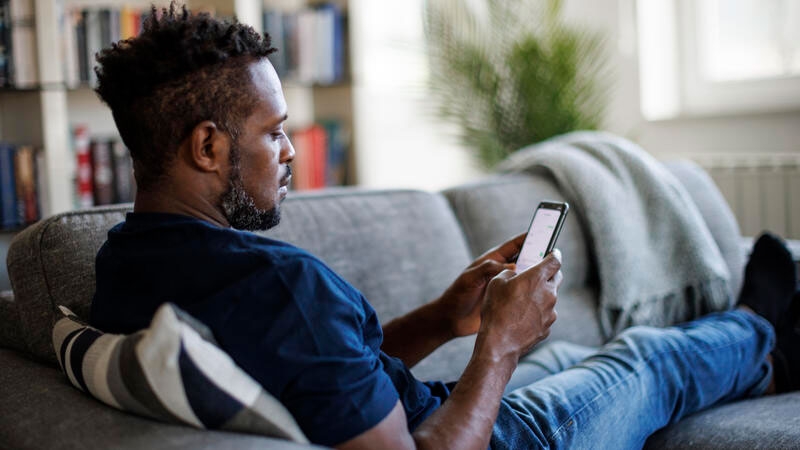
[{"x": 636, "y": 371}]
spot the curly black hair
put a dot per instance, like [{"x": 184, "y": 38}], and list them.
[{"x": 182, "y": 69}]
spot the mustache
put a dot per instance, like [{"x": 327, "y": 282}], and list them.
[{"x": 288, "y": 173}]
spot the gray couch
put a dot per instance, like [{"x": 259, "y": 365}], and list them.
[{"x": 400, "y": 248}]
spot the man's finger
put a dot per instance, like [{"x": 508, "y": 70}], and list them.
[
  {"x": 504, "y": 275},
  {"x": 549, "y": 266},
  {"x": 511, "y": 248},
  {"x": 485, "y": 271}
]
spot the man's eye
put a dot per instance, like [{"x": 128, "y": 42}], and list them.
[{"x": 277, "y": 135}]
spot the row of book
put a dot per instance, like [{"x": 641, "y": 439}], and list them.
[
  {"x": 20, "y": 167},
  {"x": 321, "y": 156},
  {"x": 104, "y": 170},
  {"x": 104, "y": 175},
  {"x": 84, "y": 32},
  {"x": 310, "y": 43},
  {"x": 18, "y": 62}
]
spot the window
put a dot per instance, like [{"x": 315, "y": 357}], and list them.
[{"x": 718, "y": 57}]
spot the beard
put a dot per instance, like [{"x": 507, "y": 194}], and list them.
[{"x": 239, "y": 207}]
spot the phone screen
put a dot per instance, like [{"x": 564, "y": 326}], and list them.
[{"x": 546, "y": 222}]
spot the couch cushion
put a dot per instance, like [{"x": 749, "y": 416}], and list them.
[
  {"x": 172, "y": 371},
  {"x": 769, "y": 422},
  {"x": 41, "y": 410}
]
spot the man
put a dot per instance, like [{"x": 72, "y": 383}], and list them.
[{"x": 201, "y": 110}]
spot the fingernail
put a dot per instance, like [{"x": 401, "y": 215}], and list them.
[{"x": 557, "y": 254}]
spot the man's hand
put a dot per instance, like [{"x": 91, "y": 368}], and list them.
[
  {"x": 517, "y": 312},
  {"x": 460, "y": 305},
  {"x": 519, "y": 308}
]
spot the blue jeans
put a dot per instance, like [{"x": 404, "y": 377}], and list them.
[{"x": 615, "y": 397}]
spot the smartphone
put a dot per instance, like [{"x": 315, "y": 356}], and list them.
[{"x": 542, "y": 234}]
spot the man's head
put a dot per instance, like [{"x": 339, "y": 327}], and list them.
[{"x": 201, "y": 110}]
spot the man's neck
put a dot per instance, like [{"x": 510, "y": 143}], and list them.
[{"x": 178, "y": 201}]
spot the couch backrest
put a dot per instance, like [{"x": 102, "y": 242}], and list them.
[
  {"x": 499, "y": 206},
  {"x": 400, "y": 248}
]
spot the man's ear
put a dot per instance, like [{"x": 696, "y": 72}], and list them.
[{"x": 208, "y": 147}]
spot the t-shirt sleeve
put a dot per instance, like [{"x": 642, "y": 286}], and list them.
[{"x": 314, "y": 354}]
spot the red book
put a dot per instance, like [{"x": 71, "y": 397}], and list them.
[
  {"x": 84, "y": 185},
  {"x": 319, "y": 156},
  {"x": 301, "y": 167}
]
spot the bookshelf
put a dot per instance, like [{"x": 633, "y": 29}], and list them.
[{"x": 44, "y": 115}]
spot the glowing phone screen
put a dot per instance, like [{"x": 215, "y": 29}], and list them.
[{"x": 542, "y": 228}]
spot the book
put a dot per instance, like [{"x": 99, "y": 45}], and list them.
[
  {"x": 42, "y": 196},
  {"x": 80, "y": 43},
  {"x": 24, "y": 175},
  {"x": 9, "y": 210},
  {"x": 5, "y": 43},
  {"x": 273, "y": 25},
  {"x": 336, "y": 173},
  {"x": 24, "y": 61},
  {"x": 319, "y": 156},
  {"x": 306, "y": 46},
  {"x": 325, "y": 16},
  {"x": 124, "y": 184},
  {"x": 94, "y": 41},
  {"x": 69, "y": 47},
  {"x": 300, "y": 167},
  {"x": 309, "y": 169},
  {"x": 102, "y": 172},
  {"x": 129, "y": 23},
  {"x": 84, "y": 188}
]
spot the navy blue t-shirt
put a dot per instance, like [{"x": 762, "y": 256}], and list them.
[{"x": 305, "y": 334}]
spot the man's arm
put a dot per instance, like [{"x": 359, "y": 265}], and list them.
[
  {"x": 456, "y": 313},
  {"x": 517, "y": 313}
]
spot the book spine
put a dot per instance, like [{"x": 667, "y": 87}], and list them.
[
  {"x": 80, "y": 43},
  {"x": 337, "y": 154},
  {"x": 84, "y": 188},
  {"x": 9, "y": 211},
  {"x": 306, "y": 23},
  {"x": 102, "y": 173},
  {"x": 123, "y": 172},
  {"x": 41, "y": 182},
  {"x": 24, "y": 63},
  {"x": 319, "y": 144},
  {"x": 5, "y": 43},
  {"x": 94, "y": 41},
  {"x": 26, "y": 184}
]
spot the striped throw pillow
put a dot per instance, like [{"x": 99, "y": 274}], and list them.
[{"x": 172, "y": 372}]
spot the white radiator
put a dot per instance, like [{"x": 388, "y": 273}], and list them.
[{"x": 763, "y": 190}]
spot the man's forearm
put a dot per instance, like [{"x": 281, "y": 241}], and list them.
[
  {"x": 415, "y": 335},
  {"x": 466, "y": 419}
]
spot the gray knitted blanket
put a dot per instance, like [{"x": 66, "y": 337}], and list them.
[{"x": 657, "y": 262}]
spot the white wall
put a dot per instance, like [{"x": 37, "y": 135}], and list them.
[
  {"x": 399, "y": 142},
  {"x": 778, "y": 132}
]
